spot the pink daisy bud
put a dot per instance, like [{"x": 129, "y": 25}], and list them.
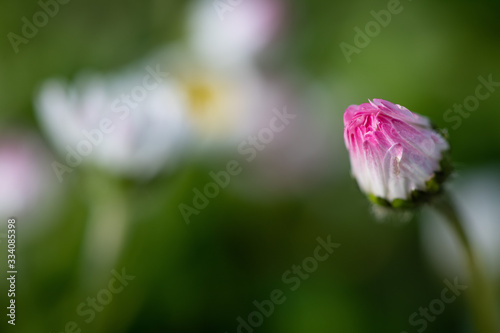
[{"x": 396, "y": 155}]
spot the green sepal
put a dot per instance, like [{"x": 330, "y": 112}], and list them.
[{"x": 379, "y": 201}]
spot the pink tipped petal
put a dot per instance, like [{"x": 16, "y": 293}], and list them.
[
  {"x": 349, "y": 113},
  {"x": 393, "y": 151},
  {"x": 400, "y": 112}
]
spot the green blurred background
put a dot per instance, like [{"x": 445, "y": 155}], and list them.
[{"x": 202, "y": 276}]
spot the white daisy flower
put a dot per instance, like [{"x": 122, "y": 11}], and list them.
[
  {"x": 231, "y": 32},
  {"x": 131, "y": 124}
]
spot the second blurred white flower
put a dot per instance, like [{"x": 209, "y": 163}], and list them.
[{"x": 130, "y": 124}]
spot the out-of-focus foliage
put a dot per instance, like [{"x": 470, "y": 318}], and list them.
[{"x": 202, "y": 276}]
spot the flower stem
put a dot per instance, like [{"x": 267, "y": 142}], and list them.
[
  {"x": 481, "y": 296},
  {"x": 106, "y": 228}
]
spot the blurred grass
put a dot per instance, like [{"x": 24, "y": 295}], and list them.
[{"x": 201, "y": 277}]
